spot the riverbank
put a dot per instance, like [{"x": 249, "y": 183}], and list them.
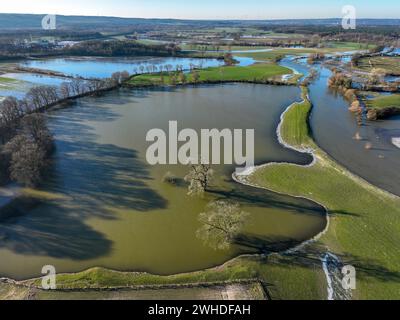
[
  {"x": 356, "y": 209},
  {"x": 383, "y": 106}
]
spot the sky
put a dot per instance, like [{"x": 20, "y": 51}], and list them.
[{"x": 206, "y": 9}]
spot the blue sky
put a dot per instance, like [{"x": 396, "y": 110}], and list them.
[{"x": 206, "y": 9}]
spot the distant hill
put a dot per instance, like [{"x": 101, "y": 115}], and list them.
[{"x": 33, "y": 21}]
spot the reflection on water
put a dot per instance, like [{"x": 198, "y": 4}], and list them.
[
  {"x": 105, "y": 67},
  {"x": 105, "y": 206},
  {"x": 25, "y": 81}
]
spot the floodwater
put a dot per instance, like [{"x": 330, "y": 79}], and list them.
[
  {"x": 105, "y": 67},
  {"x": 25, "y": 81},
  {"x": 335, "y": 129},
  {"x": 103, "y": 205},
  {"x": 89, "y": 67}
]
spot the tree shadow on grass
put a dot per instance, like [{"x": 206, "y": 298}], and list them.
[
  {"x": 263, "y": 244},
  {"x": 366, "y": 268},
  {"x": 251, "y": 196},
  {"x": 309, "y": 257}
]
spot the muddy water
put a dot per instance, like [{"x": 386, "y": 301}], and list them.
[
  {"x": 103, "y": 205},
  {"x": 336, "y": 130}
]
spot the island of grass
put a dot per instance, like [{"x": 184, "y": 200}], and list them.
[
  {"x": 383, "y": 106},
  {"x": 263, "y": 72},
  {"x": 7, "y": 83},
  {"x": 390, "y": 64},
  {"x": 327, "y": 48},
  {"x": 364, "y": 226}
]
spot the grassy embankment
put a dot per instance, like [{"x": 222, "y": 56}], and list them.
[
  {"x": 240, "y": 291},
  {"x": 384, "y": 106},
  {"x": 365, "y": 221},
  {"x": 384, "y": 101},
  {"x": 284, "y": 278},
  {"x": 334, "y": 47},
  {"x": 7, "y": 82},
  {"x": 390, "y": 64},
  {"x": 255, "y": 73}
]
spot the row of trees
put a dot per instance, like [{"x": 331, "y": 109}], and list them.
[
  {"x": 89, "y": 48},
  {"x": 25, "y": 141},
  {"x": 121, "y": 48},
  {"x": 169, "y": 68},
  {"x": 40, "y": 97}
]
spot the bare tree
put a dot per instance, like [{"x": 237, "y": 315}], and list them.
[
  {"x": 124, "y": 76},
  {"x": 182, "y": 77},
  {"x": 27, "y": 160},
  {"x": 10, "y": 110},
  {"x": 199, "y": 179},
  {"x": 221, "y": 223},
  {"x": 196, "y": 76},
  {"x": 77, "y": 86},
  {"x": 65, "y": 90},
  {"x": 34, "y": 126}
]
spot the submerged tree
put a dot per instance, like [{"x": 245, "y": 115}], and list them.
[
  {"x": 228, "y": 59},
  {"x": 199, "y": 178},
  {"x": 34, "y": 126},
  {"x": 221, "y": 223},
  {"x": 27, "y": 160},
  {"x": 195, "y": 76}
]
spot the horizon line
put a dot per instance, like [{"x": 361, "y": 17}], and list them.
[{"x": 192, "y": 19}]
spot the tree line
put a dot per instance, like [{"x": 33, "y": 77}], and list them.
[
  {"x": 26, "y": 143},
  {"x": 88, "y": 48}
]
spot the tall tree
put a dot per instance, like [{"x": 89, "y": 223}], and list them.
[
  {"x": 199, "y": 178},
  {"x": 221, "y": 223}
]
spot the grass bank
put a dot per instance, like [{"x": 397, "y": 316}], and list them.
[
  {"x": 364, "y": 220},
  {"x": 281, "y": 278},
  {"x": 280, "y": 52},
  {"x": 384, "y": 101},
  {"x": 383, "y": 106},
  {"x": 391, "y": 65}
]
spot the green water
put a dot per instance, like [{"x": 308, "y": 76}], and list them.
[{"x": 103, "y": 205}]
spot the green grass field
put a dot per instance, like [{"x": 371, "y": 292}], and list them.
[
  {"x": 257, "y": 72},
  {"x": 365, "y": 221},
  {"x": 384, "y": 101},
  {"x": 348, "y": 45},
  {"x": 390, "y": 64},
  {"x": 7, "y": 80},
  {"x": 331, "y": 47},
  {"x": 7, "y": 83}
]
